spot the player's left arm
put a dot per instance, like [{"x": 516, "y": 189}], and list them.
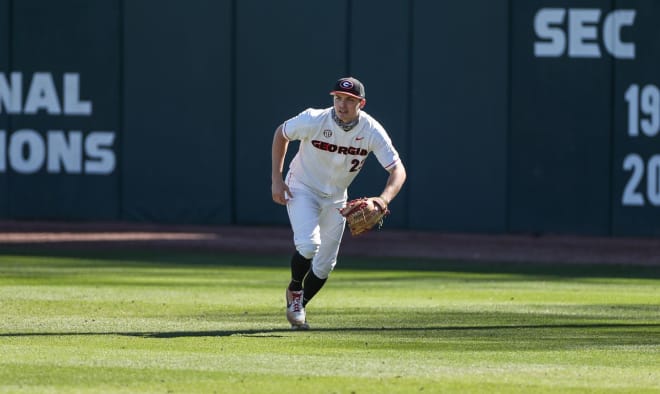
[{"x": 394, "y": 182}]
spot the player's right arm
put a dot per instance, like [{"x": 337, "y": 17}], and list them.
[{"x": 279, "y": 189}]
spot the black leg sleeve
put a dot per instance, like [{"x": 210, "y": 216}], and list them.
[
  {"x": 312, "y": 286},
  {"x": 299, "y": 268}
]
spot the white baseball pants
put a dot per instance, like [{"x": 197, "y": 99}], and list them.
[{"x": 317, "y": 226}]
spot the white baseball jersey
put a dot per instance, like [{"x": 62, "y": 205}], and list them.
[{"x": 329, "y": 158}]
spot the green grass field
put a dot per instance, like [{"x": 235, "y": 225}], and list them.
[{"x": 184, "y": 323}]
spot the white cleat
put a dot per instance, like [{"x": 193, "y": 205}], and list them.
[
  {"x": 295, "y": 312},
  {"x": 301, "y": 327}
]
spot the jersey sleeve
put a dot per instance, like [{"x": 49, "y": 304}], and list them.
[
  {"x": 299, "y": 127},
  {"x": 382, "y": 146},
  {"x": 385, "y": 151}
]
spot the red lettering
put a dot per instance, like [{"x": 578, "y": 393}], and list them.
[{"x": 343, "y": 150}]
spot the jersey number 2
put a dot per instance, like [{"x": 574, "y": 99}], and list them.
[{"x": 357, "y": 165}]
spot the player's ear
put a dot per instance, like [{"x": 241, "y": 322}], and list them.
[{"x": 363, "y": 102}]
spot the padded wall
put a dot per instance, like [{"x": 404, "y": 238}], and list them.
[
  {"x": 288, "y": 56},
  {"x": 458, "y": 142},
  {"x": 177, "y": 111},
  {"x": 559, "y": 147},
  {"x": 636, "y": 156},
  {"x": 63, "y": 149},
  {"x": 5, "y": 62},
  {"x": 511, "y": 116},
  {"x": 379, "y": 57}
]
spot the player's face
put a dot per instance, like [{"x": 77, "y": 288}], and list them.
[{"x": 347, "y": 107}]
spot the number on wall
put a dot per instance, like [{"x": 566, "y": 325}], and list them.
[
  {"x": 645, "y": 104},
  {"x": 632, "y": 196}
]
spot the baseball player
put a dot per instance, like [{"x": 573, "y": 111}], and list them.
[{"x": 334, "y": 143}]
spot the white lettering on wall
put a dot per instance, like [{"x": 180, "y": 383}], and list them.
[
  {"x": 65, "y": 152},
  {"x": 101, "y": 157},
  {"x": 643, "y": 122},
  {"x": 3, "y": 151},
  {"x": 643, "y": 110},
  {"x": 11, "y": 93},
  {"x": 26, "y": 151},
  {"x": 579, "y": 36},
  {"x": 72, "y": 103},
  {"x": 42, "y": 95}
]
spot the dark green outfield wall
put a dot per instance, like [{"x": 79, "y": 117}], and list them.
[
  {"x": 46, "y": 44},
  {"x": 4, "y": 120},
  {"x": 512, "y": 116}
]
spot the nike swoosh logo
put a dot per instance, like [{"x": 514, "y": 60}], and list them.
[{"x": 359, "y": 138}]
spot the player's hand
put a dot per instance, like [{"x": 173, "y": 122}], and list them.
[{"x": 280, "y": 191}]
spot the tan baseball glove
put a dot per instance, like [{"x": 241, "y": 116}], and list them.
[{"x": 362, "y": 214}]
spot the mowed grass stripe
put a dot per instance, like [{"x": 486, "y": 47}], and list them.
[{"x": 143, "y": 322}]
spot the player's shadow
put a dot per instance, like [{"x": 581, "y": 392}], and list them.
[
  {"x": 278, "y": 332},
  {"x": 275, "y": 331}
]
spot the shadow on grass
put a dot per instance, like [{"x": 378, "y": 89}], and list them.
[
  {"x": 225, "y": 333},
  {"x": 270, "y": 332},
  {"x": 187, "y": 259}
]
